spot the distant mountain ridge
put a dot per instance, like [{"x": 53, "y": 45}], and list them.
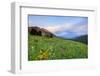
[{"x": 83, "y": 39}]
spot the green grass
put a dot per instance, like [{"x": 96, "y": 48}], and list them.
[{"x": 44, "y": 48}]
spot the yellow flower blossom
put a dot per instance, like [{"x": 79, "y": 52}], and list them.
[{"x": 43, "y": 55}]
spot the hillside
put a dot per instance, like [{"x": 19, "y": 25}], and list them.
[
  {"x": 45, "y": 48},
  {"x": 40, "y": 31},
  {"x": 83, "y": 39}
]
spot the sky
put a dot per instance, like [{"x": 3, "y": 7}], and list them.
[{"x": 61, "y": 26}]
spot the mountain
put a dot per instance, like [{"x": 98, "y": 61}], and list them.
[
  {"x": 40, "y": 31},
  {"x": 83, "y": 39}
]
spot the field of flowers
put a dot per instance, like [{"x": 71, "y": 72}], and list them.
[{"x": 44, "y": 48}]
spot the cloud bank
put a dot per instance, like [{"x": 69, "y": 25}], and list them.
[{"x": 66, "y": 29}]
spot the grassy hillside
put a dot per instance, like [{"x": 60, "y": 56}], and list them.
[{"x": 44, "y": 48}]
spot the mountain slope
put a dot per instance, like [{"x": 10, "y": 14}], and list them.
[
  {"x": 40, "y": 31},
  {"x": 83, "y": 39},
  {"x": 44, "y": 48}
]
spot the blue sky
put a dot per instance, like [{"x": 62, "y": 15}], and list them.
[{"x": 62, "y": 26}]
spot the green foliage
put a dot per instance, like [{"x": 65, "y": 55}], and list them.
[{"x": 44, "y": 48}]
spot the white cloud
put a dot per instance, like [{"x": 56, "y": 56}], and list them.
[
  {"x": 77, "y": 29},
  {"x": 56, "y": 28},
  {"x": 81, "y": 30}
]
